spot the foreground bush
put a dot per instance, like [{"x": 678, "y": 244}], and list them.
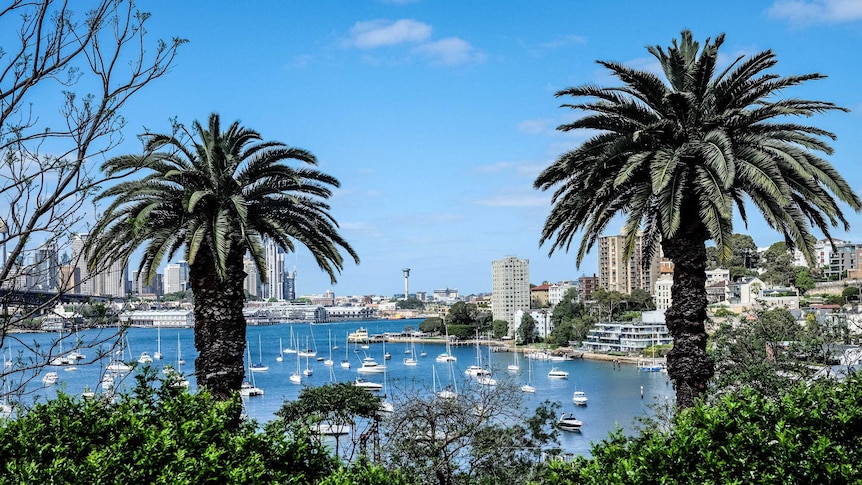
[
  {"x": 157, "y": 434},
  {"x": 811, "y": 434}
]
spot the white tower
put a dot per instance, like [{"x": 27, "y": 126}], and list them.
[{"x": 406, "y": 285}]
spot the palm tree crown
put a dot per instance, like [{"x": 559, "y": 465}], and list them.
[
  {"x": 683, "y": 151},
  {"x": 224, "y": 190},
  {"x": 217, "y": 197},
  {"x": 674, "y": 156}
]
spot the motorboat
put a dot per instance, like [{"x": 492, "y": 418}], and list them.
[
  {"x": 107, "y": 382},
  {"x": 259, "y": 367},
  {"x": 476, "y": 371},
  {"x": 557, "y": 373},
  {"x": 118, "y": 367},
  {"x": 248, "y": 390},
  {"x": 50, "y": 378},
  {"x": 528, "y": 388},
  {"x": 145, "y": 358},
  {"x": 365, "y": 384},
  {"x": 446, "y": 357},
  {"x": 568, "y": 422},
  {"x": 579, "y": 398},
  {"x": 328, "y": 429},
  {"x": 370, "y": 366}
]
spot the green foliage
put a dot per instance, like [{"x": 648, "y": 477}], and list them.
[
  {"x": 500, "y": 328},
  {"x": 527, "y": 332},
  {"x": 811, "y": 434},
  {"x": 763, "y": 352},
  {"x": 337, "y": 403},
  {"x": 431, "y": 325},
  {"x": 411, "y": 303},
  {"x": 365, "y": 473},
  {"x": 158, "y": 433}
]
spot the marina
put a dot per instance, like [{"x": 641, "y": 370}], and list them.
[{"x": 618, "y": 394}]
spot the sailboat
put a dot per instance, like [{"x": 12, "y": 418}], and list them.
[
  {"x": 157, "y": 355},
  {"x": 346, "y": 362},
  {"x": 385, "y": 405},
  {"x": 476, "y": 369},
  {"x": 280, "y": 351},
  {"x": 411, "y": 361},
  {"x": 308, "y": 370},
  {"x": 291, "y": 349},
  {"x": 486, "y": 379},
  {"x": 447, "y": 356},
  {"x": 514, "y": 367},
  {"x": 329, "y": 361},
  {"x": 651, "y": 366},
  {"x": 528, "y": 387},
  {"x": 248, "y": 389},
  {"x": 117, "y": 365},
  {"x": 450, "y": 391},
  {"x": 168, "y": 370},
  {"x": 260, "y": 366},
  {"x": 296, "y": 377}
]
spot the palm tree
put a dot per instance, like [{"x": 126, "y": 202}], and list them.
[
  {"x": 675, "y": 155},
  {"x": 217, "y": 195}
]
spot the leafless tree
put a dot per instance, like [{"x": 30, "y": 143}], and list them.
[{"x": 65, "y": 76}]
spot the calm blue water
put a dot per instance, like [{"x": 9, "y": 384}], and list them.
[{"x": 614, "y": 394}]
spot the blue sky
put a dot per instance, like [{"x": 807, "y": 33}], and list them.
[{"x": 436, "y": 116}]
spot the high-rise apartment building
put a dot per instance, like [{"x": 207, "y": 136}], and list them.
[
  {"x": 510, "y": 289},
  {"x": 176, "y": 277},
  {"x": 290, "y": 285},
  {"x": 111, "y": 281},
  {"x": 251, "y": 284},
  {"x": 274, "y": 256},
  {"x": 616, "y": 274},
  {"x": 81, "y": 282},
  {"x": 47, "y": 263}
]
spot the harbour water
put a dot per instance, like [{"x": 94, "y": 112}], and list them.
[{"x": 617, "y": 394}]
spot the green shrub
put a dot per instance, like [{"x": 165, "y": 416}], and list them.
[
  {"x": 156, "y": 434},
  {"x": 811, "y": 434}
]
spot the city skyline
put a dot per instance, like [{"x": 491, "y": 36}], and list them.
[{"x": 436, "y": 117}]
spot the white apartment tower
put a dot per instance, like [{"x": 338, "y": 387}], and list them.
[
  {"x": 274, "y": 256},
  {"x": 252, "y": 278},
  {"x": 616, "y": 274},
  {"x": 510, "y": 289},
  {"x": 176, "y": 277},
  {"x": 111, "y": 281},
  {"x": 82, "y": 284}
]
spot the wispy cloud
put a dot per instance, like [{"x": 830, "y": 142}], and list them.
[
  {"x": 536, "y": 127},
  {"x": 806, "y": 12},
  {"x": 564, "y": 41},
  {"x": 449, "y": 51},
  {"x": 378, "y": 33}
]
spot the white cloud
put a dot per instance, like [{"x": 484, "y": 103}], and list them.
[
  {"x": 377, "y": 33},
  {"x": 565, "y": 41},
  {"x": 450, "y": 51},
  {"x": 535, "y": 127},
  {"x": 816, "y": 11}
]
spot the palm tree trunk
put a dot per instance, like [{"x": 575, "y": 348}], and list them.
[
  {"x": 219, "y": 325},
  {"x": 688, "y": 364}
]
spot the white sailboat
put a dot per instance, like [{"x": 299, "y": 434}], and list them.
[
  {"x": 329, "y": 361},
  {"x": 528, "y": 387},
  {"x": 296, "y": 377},
  {"x": 515, "y": 367},
  {"x": 345, "y": 364},
  {"x": 157, "y": 355},
  {"x": 249, "y": 389},
  {"x": 476, "y": 369},
  {"x": 291, "y": 349},
  {"x": 260, "y": 366},
  {"x": 447, "y": 356},
  {"x": 411, "y": 361},
  {"x": 308, "y": 371},
  {"x": 280, "y": 351}
]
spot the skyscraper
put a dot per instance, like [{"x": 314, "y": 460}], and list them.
[
  {"x": 81, "y": 281},
  {"x": 176, "y": 277},
  {"x": 510, "y": 289},
  {"x": 274, "y": 255},
  {"x": 616, "y": 274}
]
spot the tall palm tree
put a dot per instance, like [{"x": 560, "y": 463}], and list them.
[
  {"x": 217, "y": 196},
  {"x": 674, "y": 155}
]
